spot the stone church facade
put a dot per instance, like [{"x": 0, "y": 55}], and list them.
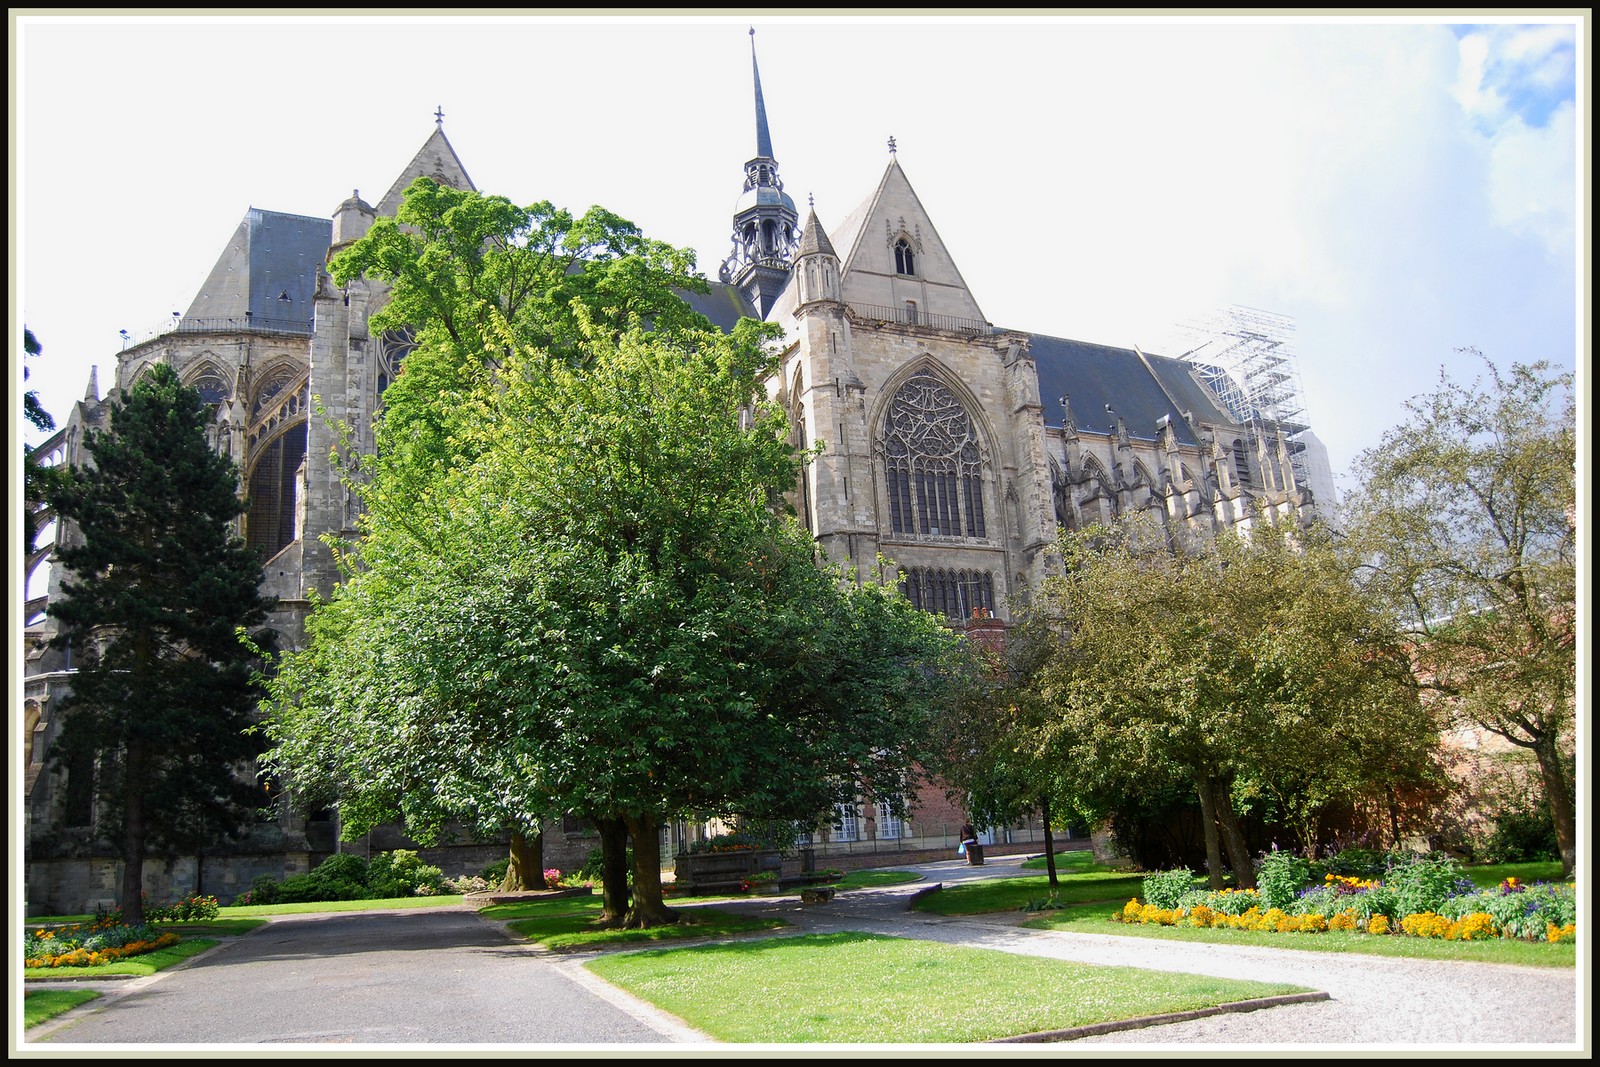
[{"x": 953, "y": 453}]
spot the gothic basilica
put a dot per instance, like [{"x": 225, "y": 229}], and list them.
[{"x": 955, "y": 448}]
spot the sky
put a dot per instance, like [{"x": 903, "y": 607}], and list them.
[{"x": 1400, "y": 189}]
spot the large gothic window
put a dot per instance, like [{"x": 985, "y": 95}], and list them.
[
  {"x": 396, "y": 346},
  {"x": 932, "y": 464},
  {"x": 955, "y": 594}
]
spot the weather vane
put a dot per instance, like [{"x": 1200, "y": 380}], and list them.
[{"x": 891, "y": 144}]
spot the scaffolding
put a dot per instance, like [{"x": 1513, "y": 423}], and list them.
[{"x": 1246, "y": 357}]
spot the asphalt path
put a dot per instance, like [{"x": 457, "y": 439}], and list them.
[
  {"x": 439, "y": 977},
  {"x": 430, "y": 976}
]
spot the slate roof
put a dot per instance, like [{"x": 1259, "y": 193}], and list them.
[
  {"x": 723, "y": 305},
  {"x": 1141, "y": 390},
  {"x": 270, "y": 255}
]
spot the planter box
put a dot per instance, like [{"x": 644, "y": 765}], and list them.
[{"x": 704, "y": 872}]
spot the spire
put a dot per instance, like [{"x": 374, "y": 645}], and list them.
[
  {"x": 814, "y": 239},
  {"x": 763, "y": 137},
  {"x": 766, "y": 226}
]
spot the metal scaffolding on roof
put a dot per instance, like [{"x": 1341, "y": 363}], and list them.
[{"x": 1247, "y": 358}]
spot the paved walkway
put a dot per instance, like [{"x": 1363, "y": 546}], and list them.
[{"x": 358, "y": 979}]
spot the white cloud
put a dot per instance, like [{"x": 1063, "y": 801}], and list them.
[{"x": 1532, "y": 176}]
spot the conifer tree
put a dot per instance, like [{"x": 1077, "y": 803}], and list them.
[{"x": 159, "y": 587}]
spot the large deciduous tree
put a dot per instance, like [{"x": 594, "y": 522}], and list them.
[
  {"x": 159, "y": 587},
  {"x": 1467, "y": 512},
  {"x": 1245, "y": 665},
  {"x": 576, "y": 590}
]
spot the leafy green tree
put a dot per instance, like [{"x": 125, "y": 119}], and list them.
[
  {"x": 1244, "y": 666},
  {"x": 472, "y": 277},
  {"x": 35, "y": 479},
  {"x": 575, "y": 590},
  {"x": 160, "y": 586},
  {"x": 987, "y": 753},
  {"x": 1467, "y": 514}
]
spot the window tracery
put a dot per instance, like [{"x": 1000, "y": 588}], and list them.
[
  {"x": 932, "y": 463},
  {"x": 905, "y": 261}
]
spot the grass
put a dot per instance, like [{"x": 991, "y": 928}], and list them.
[
  {"x": 145, "y": 963},
  {"x": 41, "y": 1005},
  {"x": 1010, "y": 894},
  {"x": 568, "y": 925},
  {"x": 1491, "y": 875},
  {"x": 872, "y": 878},
  {"x": 1078, "y": 861},
  {"x": 867, "y": 879},
  {"x": 853, "y": 987},
  {"x": 390, "y": 904}
]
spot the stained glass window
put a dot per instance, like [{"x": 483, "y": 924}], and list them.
[{"x": 931, "y": 458}]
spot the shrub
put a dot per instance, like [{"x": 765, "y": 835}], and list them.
[
  {"x": 402, "y": 873},
  {"x": 1422, "y": 883},
  {"x": 1279, "y": 878},
  {"x": 1522, "y": 834},
  {"x": 343, "y": 867},
  {"x": 264, "y": 890},
  {"x": 495, "y": 873},
  {"x": 1222, "y": 902},
  {"x": 1352, "y": 862},
  {"x": 194, "y": 906},
  {"x": 1322, "y": 901},
  {"x": 1163, "y": 889},
  {"x": 1518, "y": 911},
  {"x": 552, "y": 878}
]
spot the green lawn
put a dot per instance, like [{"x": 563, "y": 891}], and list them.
[
  {"x": 143, "y": 964},
  {"x": 567, "y": 925},
  {"x": 853, "y": 987},
  {"x": 1010, "y": 894},
  {"x": 876, "y": 877},
  {"x": 1078, "y": 861},
  {"x": 40, "y": 1005},
  {"x": 1491, "y": 875}
]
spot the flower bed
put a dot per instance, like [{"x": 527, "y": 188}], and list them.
[
  {"x": 1421, "y": 898},
  {"x": 89, "y": 944}
]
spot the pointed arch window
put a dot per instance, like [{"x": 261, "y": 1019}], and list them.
[
  {"x": 1241, "y": 465},
  {"x": 272, "y": 385},
  {"x": 904, "y": 259},
  {"x": 397, "y": 344},
  {"x": 955, "y": 594},
  {"x": 211, "y": 387},
  {"x": 932, "y": 463}
]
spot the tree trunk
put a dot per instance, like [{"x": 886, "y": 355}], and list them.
[
  {"x": 1244, "y": 867},
  {"x": 613, "y": 872},
  {"x": 133, "y": 835},
  {"x": 1558, "y": 794},
  {"x": 648, "y": 908},
  {"x": 1208, "y": 825},
  {"x": 1394, "y": 819},
  {"x": 1049, "y": 841},
  {"x": 526, "y": 869}
]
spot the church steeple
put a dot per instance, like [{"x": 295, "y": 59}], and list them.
[{"x": 765, "y": 222}]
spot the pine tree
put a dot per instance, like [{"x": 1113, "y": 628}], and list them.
[{"x": 160, "y": 586}]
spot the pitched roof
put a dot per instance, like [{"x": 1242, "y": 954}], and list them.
[
  {"x": 435, "y": 159},
  {"x": 1140, "y": 388},
  {"x": 268, "y": 268}
]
